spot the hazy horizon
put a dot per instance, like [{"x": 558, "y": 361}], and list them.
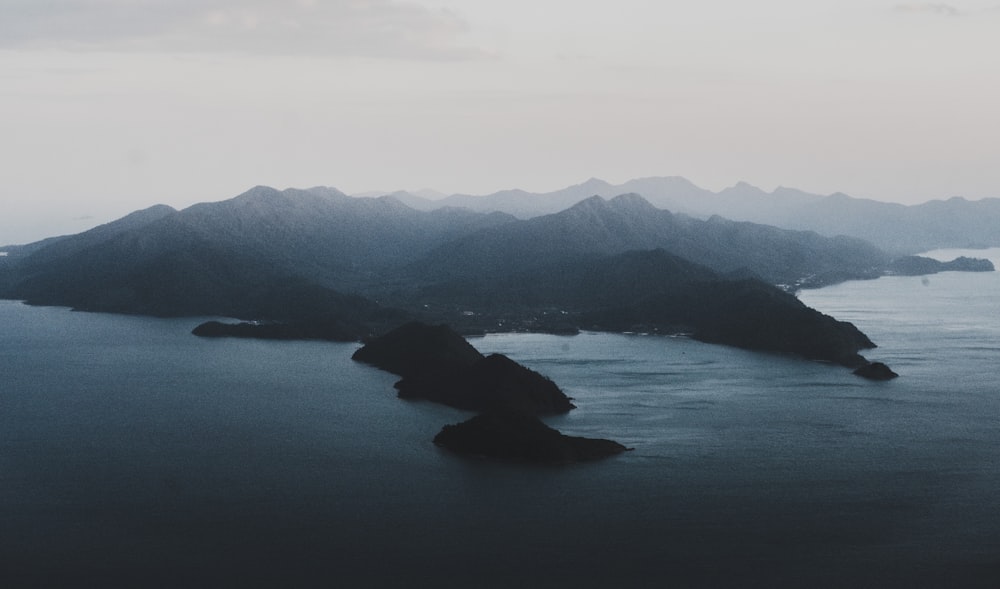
[
  {"x": 82, "y": 224},
  {"x": 113, "y": 106}
]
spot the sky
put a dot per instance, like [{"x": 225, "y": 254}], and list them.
[{"x": 109, "y": 106}]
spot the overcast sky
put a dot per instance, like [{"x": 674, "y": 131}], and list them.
[{"x": 113, "y": 105}]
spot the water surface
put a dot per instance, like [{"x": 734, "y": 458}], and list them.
[{"x": 134, "y": 454}]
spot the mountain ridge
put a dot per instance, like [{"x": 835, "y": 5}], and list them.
[
  {"x": 630, "y": 222},
  {"x": 897, "y": 228},
  {"x": 329, "y": 266}
]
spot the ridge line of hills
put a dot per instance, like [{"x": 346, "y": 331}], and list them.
[
  {"x": 896, "y": 228},
  {"x": 317, "y": 263}
]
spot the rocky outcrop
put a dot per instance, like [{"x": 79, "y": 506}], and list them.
[
  {"x": 875, "y": 371},
  {"x": 518, "y": 437},
  {"x": 439, "y": 365}
]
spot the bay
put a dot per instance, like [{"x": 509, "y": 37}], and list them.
[{"x": 134, "y": 454}]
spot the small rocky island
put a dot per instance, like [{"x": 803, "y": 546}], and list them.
[
  {"x": 437, "y": 364},
  {"x": 518, "y": 437},
  {"x": 875, "y": 371}
]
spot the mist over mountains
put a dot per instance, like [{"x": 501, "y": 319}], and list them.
[
  {"x": 896, "y": 228},
  {"x": 630, "y": 222},
  {"x": 317, "y": 263}
]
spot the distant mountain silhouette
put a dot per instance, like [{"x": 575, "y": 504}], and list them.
[
  {"x": 895, "y": 228},
  {"x": 629, "y": 222}
]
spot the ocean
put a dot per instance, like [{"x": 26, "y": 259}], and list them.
[{"x": 134, "y": 454}]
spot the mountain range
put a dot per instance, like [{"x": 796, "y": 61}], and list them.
[
  {"x": 319, "y": 263},
  {"x": 896, "y": 228}
]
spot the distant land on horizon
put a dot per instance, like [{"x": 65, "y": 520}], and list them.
[
  {"x": 894, "y": 227},
  {"x": 899, "y": 229}
]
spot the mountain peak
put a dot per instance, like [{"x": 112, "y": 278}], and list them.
[
  {"x": 631, "y": 201},
  {"x": 391, "y": 202},
  {"x": 629, "y": 204},
  {"x": 259, "y": 191},
  {"x": 592, "y": 187},
  {"x": 591, "y": 203},
  {"x": 742, "y": 188}
]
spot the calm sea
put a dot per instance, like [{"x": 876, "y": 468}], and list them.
[{"x": 134, "y": 454}]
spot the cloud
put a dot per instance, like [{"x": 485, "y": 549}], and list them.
[
  {"x": 359, "y": 28},
  {"x": 939, "y": 9}
]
